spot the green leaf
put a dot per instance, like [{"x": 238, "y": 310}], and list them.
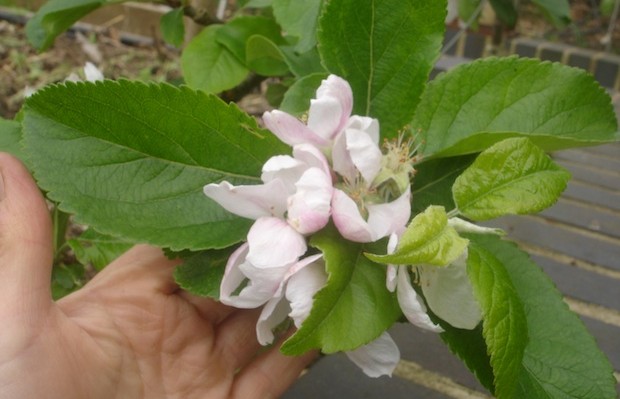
[
  {"x": 506, "y": 12},
  {"x": 236, "y": 33},
  {"x": 299, "y": 19},
  {"x": 466, "y": 10},
  {"x": 207, "y": 65},
  {"x": 297, "y": 98},
  {"x": 97, "y": 249},
  {"x": 254, "y": 3},
  {"x": 354, "y": 307},
  {"x": 66, "y": 279},
  {"x": 56, "y": 16},
  {"x": 201, "y": 273},
  {"x": 433, "y": 180},
  {"x": 172, "y": 27},
  {"x": 561, "y": 359},
  {"x": 11, "y": 139},
  {"x": 478, "y": 104},
  {"x": 470, "y": 347},
  {"x": 302, "y": 64},
  {"x": 385, "y": 50},
  {"x": 428, "y": 240},
  {"x": 131, "y": 159},
  {"x": 512, "y": 177},
  {"x": 264, "y": 57},
  {"x": 557, "y": 11},
  {"x": 504, "y": 325}
]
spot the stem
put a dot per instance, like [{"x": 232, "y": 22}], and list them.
[
  {"x": 453, "y": 213},
  {"x": 60, "y": 221},
  {"x": 199, "y": 16}
]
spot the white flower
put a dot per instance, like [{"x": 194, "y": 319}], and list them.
[
  {"x": 293, "y": 201},
  {"x": 360, "y": 211}
]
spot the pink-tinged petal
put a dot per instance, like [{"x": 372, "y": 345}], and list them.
[
  {"x": 260, "y": 287},
  {"x": 450, "y": 295},
  {"x": 341, "y": 159},
  {"x": 348, "y": 219},
  {"x": 377, "y": 358},
  {"x": 250, "y": 202},
  {"x": 392, "y": 217},
  {"x": 338, "y": 89},
  {"x": 233, "y": 277},
  {"x": 309, "y": 209},
  {"x": 274, "y": 313},
  {"x": 290, "y": 129},
  {"x": 302, "y": 286},
  {"x": 364, "y": 152},
  {"x": 324, "y": 117},
  {"x": 312, "y": 157},
  {"x": 412, "y": 307},
  {"x": 367, "y": 124},
  {"x": 284, "y": 168},
  {"x": 274, "y": 243}
]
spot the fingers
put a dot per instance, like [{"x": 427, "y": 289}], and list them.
[
  {"x": 236, "y": 337},
  {"x": 25, "y": 239},
  {"x": 271, "y": 373},
  {"x": 142, "y": 269}
]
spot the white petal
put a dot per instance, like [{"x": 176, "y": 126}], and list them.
[
  {"x": 337, "y": 91},
  {"x": 364, "y": 152},
  {"x": 301, "y": 288},
  {"x": 274, "y": 313},
  {"x": 312, "y": 157},
  {"x": 377, "y": 358},
  {"x": 450, "y": 295},
  {"x": 341, "y": 159},
  {"x": 392, "y": 217},
  {"x": 290, "y": 129},
  {"x": 252, "y": 201},
  {"x": 257, "y": 291},
  {"x": 285, "y": 168},
  {"x": 367, "y": 124},
  {"x": 391, "y": 274},
  {"x": 412, "y": 307},
  {"x": 274, "y": 243},
  {"x": 348, "y": 219},
  {"x": 309, "y": 209},
  {"x": 324, "y": 117},
  {"x": 92, "y": 73}
]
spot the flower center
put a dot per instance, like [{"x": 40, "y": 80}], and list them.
[{"x": 397, "y": 168}]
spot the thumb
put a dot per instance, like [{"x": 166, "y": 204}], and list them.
[{"x": 25, "y": 241}]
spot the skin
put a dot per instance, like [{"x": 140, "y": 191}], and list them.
[{"x": 129, "y": 333}]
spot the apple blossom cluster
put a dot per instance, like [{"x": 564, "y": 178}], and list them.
[{"x": 337, "y": 172}]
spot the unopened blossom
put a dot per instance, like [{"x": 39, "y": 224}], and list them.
[
  {"x": 328, "y": 115},
  {"x": 294, "y": 200}
]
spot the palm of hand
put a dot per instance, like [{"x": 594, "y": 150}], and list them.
[{"x": 130, "y": 333}]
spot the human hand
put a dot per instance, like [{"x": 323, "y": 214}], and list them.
[{"x": 129, "y": 333}]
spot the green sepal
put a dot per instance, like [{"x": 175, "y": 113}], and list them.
[{"x": 428, "y": 240}]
